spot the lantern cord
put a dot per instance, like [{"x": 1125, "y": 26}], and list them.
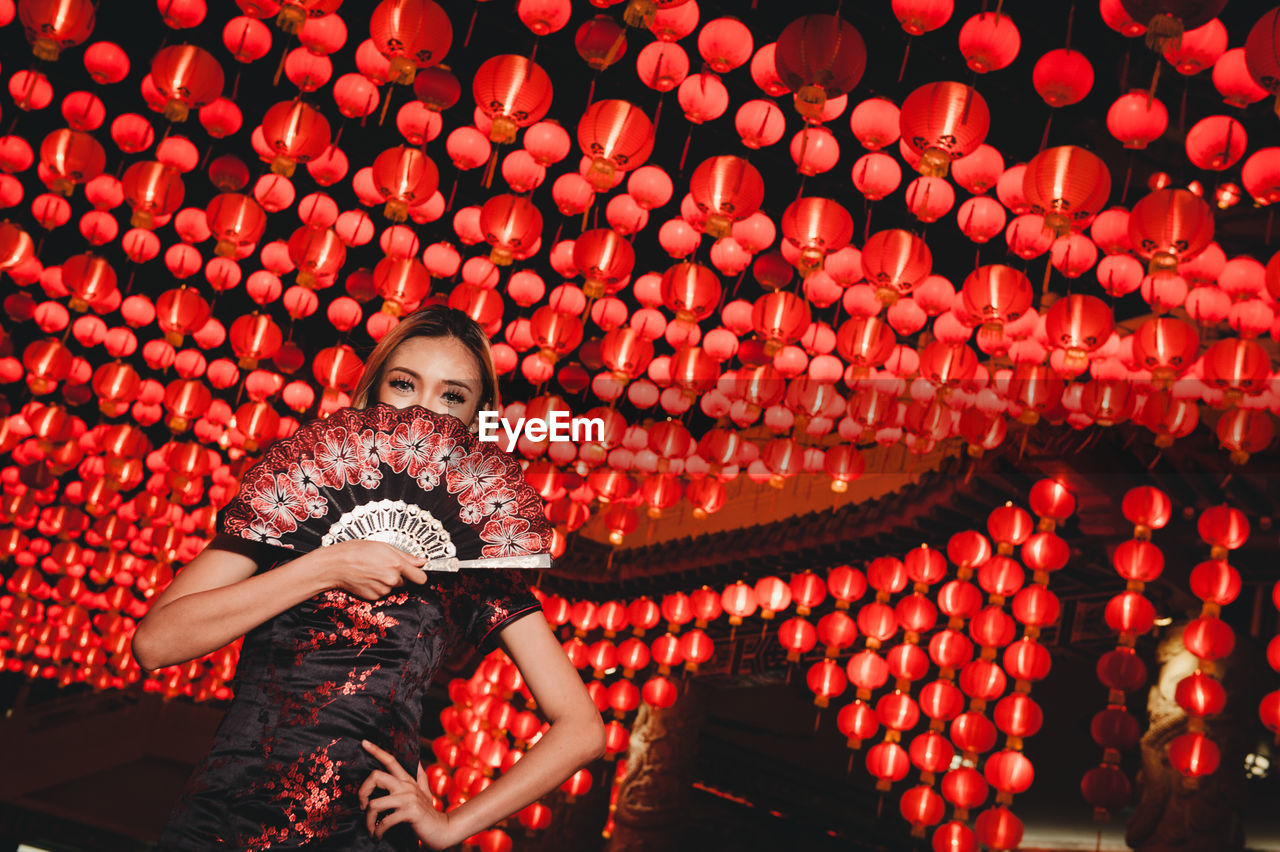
[
  {"x": 591, "y": 90},
  {"x": 817, "y": 721},
  {"x": 386, "y": 102},
  {"x": 471, "y": 26},
  {"x": 1044, "y": 138},
  {"x": 1022, "y": 445},
  {"x": 906, "y": 52},
  {"x": 764, "y": 625},
  {"x": 733, "y": 632},
  {"x": 205, "y": 160},
  {"x": 453, "y": 189},
  {"x": 657, "y": 115},
  {"x": 1044, "y": 288},
  {"x": 1128, "y": 173},
  {"x": 880, "y": 806},
  {"x": 849, "y": 768},
  {"x": 1182, "y": 110},
  {"x": 866, "y": 228},
  {"x": 559, "y": 228},
  {"x": 1124, "y": 69},
  {"x": 235, "y": 86},
  {"x": 488, "y": 172},
  {"x": 1071, "y": 16},
  {"x": 586, "y": 213},
  {"x": 284, "y": 54},
  {"x": 533, "y": 52},
  {"x": 685, "y": 153},
  {"x": 1155, "y": 79},
  {"x": 608, "y": 565}
]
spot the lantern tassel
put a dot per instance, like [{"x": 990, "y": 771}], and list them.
[
  {"x": 386, "y": 102},
  {"x": 906, "y": 52},
  {"x": 488, "y": 172},
  {"x": 817, "y": 721},
  {"x": 1182, "y": 111},
  {"x": 471, "y": 26},
  {"x": 764, "y": 626},
  {"x": 1044, "y": 288},
  {"x": 685, "y": 152},
  {"x": 453, "y": 189},
  {"x": 849, "y": 767},
  {"x": 591, "y": 90},
  {"x": 1155, "y": 78},
  {"x": 657, "y": 115}
]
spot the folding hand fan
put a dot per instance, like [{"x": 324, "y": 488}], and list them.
[{"x": 405, "y": 476}]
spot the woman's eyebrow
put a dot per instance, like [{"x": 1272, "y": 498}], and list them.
[
  {"x": 407, "y": 370},
  {"x": 465, "y": 385}
]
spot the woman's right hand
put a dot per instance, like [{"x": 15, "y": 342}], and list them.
[{"x": 371, "y": 569}]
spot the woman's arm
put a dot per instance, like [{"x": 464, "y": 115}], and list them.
[
  {"x": 217, "y": 598},
  {"x": 575, "y": 738}
]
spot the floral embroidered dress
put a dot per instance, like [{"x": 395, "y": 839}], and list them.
[{"x": 286, "y": 762}]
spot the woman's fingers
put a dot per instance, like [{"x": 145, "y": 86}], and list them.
[
  {"x": 384, "y": 808},
  {"x": 399, "y": 816},
  {"x": 377, "y": 778},
  {"x": 387, "y": 760}
]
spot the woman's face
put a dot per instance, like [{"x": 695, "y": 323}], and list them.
[{"x": 439, "y": 373}]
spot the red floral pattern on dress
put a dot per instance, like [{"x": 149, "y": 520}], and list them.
[{"x": 308, "y": 790}]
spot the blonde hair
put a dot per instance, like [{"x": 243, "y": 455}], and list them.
[{"x": 431, "y": 321}]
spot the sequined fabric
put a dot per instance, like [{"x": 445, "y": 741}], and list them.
[{"x": 286, "y": 763}]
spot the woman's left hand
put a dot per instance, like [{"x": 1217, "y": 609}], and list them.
[{"x": 407, "y": 800}]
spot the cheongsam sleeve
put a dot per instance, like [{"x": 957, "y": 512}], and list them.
[{"x": 500, "y": 597}]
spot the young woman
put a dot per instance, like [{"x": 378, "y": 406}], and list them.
[{"x": 319, "y": 748}]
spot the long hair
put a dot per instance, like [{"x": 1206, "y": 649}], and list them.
[{"x": 431, "y": 321}]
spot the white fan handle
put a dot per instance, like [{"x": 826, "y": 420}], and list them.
[{"x": 452, "y": 564}]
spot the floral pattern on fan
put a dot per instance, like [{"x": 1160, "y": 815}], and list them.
[{"x": 299, "y": 493}]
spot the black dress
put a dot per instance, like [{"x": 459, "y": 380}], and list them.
[{"x": 286, "y": 762}]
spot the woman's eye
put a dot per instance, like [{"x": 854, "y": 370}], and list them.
[
  {"x": 401, "y": 384},
  {"x": 455, "y": 398}
]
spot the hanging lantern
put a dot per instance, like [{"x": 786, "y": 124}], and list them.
[
  {"x": 1068, "y": 186},
  {"x": 1170, "y": 226},
  {"x": 1167, "y": 20},
  {"x": 816, "y": 227},
  {"x": 512, "y": 92},
  {"x": 942, "y": 122},
  {"x": 726, "y": 189},
  {"x": 55, "y": 25},
  {"x": 819, "y": 57},
  {"x": 618, "y": 136},
  {"x": 411, "y": 34},
  {"x": 296, "y": 132},
  {"x": 512, "y": 224},
  {"x": 188, "y": 76},
  {"x": 405, "y": 177}
]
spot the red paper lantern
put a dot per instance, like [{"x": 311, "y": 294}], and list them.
[
  {"x": 942, "y": 122},
  {"x": 617, "y": 136},
  {"x": 513, "y": 92},
  {"x": 188, "y": 76},
  {"x": 411, "y": 34},
  {"x": 1170, "y": 226},
  {"x": 819, "y": 57},
  {"x": 296, "y": 132}
]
